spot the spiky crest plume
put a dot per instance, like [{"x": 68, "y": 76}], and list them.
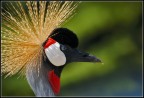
[{"x": 25, "y": 26}]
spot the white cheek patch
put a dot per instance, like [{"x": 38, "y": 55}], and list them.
[{"x": 55, "y": 55}]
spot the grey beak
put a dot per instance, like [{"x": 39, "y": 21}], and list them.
[{"x": 80, "y": 56}]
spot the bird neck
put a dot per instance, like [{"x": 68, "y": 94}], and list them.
[
  {"x": 54, "y": 74},
  {"x": 39, "y": 82}
]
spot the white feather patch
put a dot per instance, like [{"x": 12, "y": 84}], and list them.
[{"x": 55, "y": 55}]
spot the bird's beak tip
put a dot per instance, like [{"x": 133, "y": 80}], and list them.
[{"x": 98, "y": 60}]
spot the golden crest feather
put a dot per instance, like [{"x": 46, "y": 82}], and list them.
[{"x": 25, "y": 26}]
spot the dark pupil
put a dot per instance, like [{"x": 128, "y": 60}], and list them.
[{"x": 63, "y": 47}]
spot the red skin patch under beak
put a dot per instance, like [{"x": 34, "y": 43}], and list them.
[{"x": 54, "y": 81}]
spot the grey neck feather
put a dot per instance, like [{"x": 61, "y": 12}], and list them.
[{"x": 39, "y": 84}]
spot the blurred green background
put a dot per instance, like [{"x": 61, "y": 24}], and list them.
[{"x": 112, "y": 31}]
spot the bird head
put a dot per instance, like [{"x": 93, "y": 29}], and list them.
[{"x": 60, "y": 49}]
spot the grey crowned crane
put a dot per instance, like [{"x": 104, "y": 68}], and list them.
[
  {"x": 35, "y": 45},
  {"x": 60, "y": 49}
]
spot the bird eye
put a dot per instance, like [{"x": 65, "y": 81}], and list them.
[{"x": 63, "y": 47}]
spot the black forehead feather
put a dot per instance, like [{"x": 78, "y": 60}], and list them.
[{"x": 65, "y": 36}]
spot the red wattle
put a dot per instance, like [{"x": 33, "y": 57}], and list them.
[
  {"x": 54, "y": 81},
  {"x": 49, "y": 42}
]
